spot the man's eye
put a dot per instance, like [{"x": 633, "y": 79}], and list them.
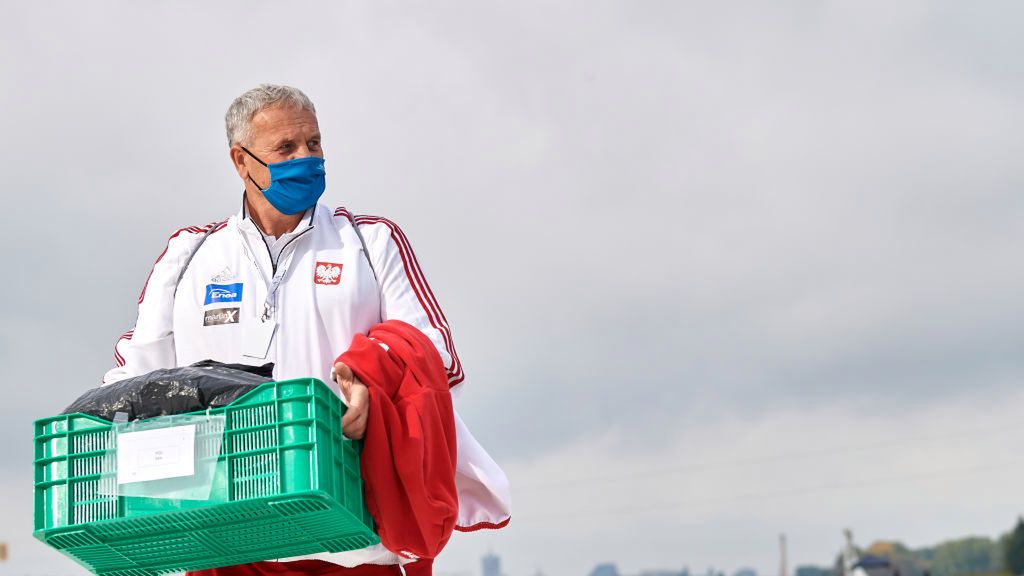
[{"x": 314, "y": 144}]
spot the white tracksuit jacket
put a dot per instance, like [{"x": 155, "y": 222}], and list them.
[{"x": 209, "y": 288}]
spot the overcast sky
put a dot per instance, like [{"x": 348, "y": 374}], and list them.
[{"x": 716, "y": 271}]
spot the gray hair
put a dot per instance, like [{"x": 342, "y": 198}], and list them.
[{"x": 239, "y": 116}]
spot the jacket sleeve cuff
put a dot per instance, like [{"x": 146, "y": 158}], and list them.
[{"x": 373, "y": 364}]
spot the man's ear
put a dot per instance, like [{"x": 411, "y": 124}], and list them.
[{"x": 238, "y": 160}]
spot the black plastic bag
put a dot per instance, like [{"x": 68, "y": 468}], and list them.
[{"x": 205, "y": 384}]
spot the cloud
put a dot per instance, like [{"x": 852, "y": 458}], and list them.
[
  {"x": 680, "y": 233},
  {"x": 724, "y": 487}
]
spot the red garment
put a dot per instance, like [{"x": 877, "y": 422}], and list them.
[{"x": 409, "y": 452}]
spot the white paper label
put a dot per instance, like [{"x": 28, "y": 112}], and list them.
[
  {"x": 156, "y": 454},
  {"x": 256, "y": 337}
]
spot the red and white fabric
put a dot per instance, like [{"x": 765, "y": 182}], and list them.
[
  {"x": 317, "y": 317},
  {"x": 409, "y": 455}
]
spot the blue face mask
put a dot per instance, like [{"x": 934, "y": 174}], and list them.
[{"x": 295, "y": 185}]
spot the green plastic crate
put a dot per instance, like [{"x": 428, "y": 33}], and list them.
[{"x": 287, "y": 483}]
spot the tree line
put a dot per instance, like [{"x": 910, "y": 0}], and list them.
[{"x": 971, "y": 556}]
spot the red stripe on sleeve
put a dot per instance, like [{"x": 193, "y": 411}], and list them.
[
  {"x": 216, "y": 226},
  {"x": 484, "y": 526},
  {"x": 423, "y": 293},
  {"x": 118, "y": 358}
]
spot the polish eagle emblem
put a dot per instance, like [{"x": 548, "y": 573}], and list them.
[{"x": 327, "y": 273}]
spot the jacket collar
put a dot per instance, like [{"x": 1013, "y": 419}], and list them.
[{"x": 246, "y": 224}]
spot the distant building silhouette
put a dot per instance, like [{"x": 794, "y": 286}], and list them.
[
  {"x": 610, "y": 569},
  {"x": 684, "y": 572},
  {"x": 745, "y": 572},
  {"x": 815, "y": 571},
  {"x": 491, "y": 565},
  {"x": 605, "y": 570}
]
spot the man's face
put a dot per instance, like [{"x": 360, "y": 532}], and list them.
[{"x": 277, "y": 134}]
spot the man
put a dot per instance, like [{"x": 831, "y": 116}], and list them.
[{"x": 289, "y": 281}]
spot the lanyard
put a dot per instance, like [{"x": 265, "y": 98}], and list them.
[{"x": 270, "y": 303}]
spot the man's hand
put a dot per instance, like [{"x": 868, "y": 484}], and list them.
[{"x": 357, "y": 396}]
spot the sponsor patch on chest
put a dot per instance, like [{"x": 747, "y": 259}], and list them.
[
  {"x": 220, "y": 316},
  {"x": 328, "y": 273},
  {"x": 220, "y": 293}
]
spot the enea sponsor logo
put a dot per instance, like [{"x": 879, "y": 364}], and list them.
[
  {"x": 220, "y": 316},
  {"x": 220, "y": 293}
]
